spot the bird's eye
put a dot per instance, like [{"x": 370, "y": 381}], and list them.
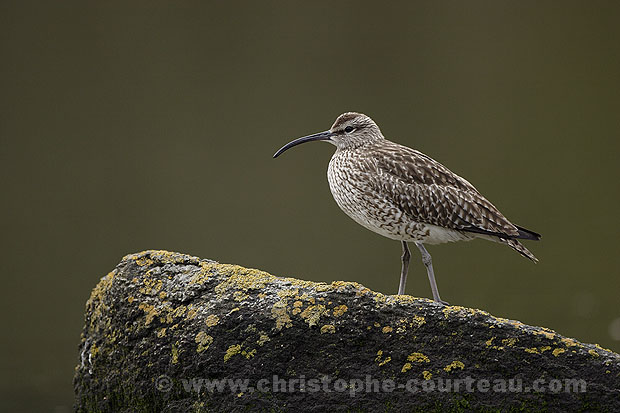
[{"x": 349, "y": 129}]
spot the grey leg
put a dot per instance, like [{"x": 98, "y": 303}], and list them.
[
  {"x": 428, "y": 263},
  {"x": 403, "y": 272}
]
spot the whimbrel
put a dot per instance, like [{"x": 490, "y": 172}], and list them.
[{"x": 404, "y": 195}]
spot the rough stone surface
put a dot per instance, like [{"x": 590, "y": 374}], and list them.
[{"x": 161, "y": 322}]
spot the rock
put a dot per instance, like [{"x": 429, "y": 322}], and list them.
[{"x": 169, "y": 332}]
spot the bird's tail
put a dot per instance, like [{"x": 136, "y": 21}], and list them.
[
  {"x": 527, "y": 234},
  {"x": 517, "y": 246}
]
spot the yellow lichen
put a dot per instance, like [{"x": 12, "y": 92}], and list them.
[
  {"x": 598, "y": 346},
  {"x": 150, "y": 311},
  {"x": 240, "y": 296},
  {"x": 143, "y": 260},
  {"x": 161, "y": 332},
  {"x": 94, "y": 350},
  {"x": 509, "y": 342},
  {"x": 206, "y": 269},
  {"x": 130, "y": 299},
  {"x": 262, "y": 339},
  {"x": 417, "y": 321},
  {"x": 558, "y": 351},
  {"x": 232, "y": 350},
  {"x": 298, "y": 304},
  {"x": 454, "y": 365},
  {"x": 97, "y": 302},
  {"x": 288, "y": 293},
  {"x": 406, "y": 367},
  {"x": 405, "y": 299},
  {"x": 362, "y": 291},
  {"x": 175, "y": 354},
  {"x": 151, "y": 286},
  {"x": 545, "y": 348},
  {"x": 278, "y": 312},
  {"x": 251, "y": 328},
  {"x": 427, "y": 375},
  {"x": 241, "y": 279},
  {"x": 380, "y": 298},
  {"x": 418, "y": 358},
  {"x": 211, "y": 320},
  {"x": 340, "y": 310},
  {"x": 387, "y": 329},
  {"x": 550, "y": 334},
  {"x": 312, "y": 314},
  {"x": 593, "y": 353},
  {"x": 203, "y": 340},
  {"x": 569, "y": 342},
  {"x": 461, "y": 311},
  {"x": 179, "y": 311},
  {"x": 387, "y": 360},
  {"x": 191, "y": 313},
  {"x": 328, "y": 328},
  {"x": 161, "y": 256},
  {"x": 249, "y": 354},
  {"x": 532, "y": 350}
]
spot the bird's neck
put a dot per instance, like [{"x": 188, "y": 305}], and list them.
[{"x": 359, "y": 143}]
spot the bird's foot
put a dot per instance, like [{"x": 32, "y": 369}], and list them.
[{"x": 440, "y": 301}]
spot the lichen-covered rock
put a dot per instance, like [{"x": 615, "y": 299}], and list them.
[{"x": 170, "y": 332}]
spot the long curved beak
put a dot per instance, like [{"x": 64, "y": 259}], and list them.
[{"x": 321, "y": 136}]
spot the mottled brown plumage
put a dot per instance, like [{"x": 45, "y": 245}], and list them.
[{"x": 405, "y": 195}]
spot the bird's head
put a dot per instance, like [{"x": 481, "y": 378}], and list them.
[{"x": 350, "y": 130}]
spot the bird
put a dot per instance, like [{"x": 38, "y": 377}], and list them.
[{"x": 405, "y": 195}]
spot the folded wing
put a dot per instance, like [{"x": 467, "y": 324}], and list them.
[{"x": 430, "y": 193}]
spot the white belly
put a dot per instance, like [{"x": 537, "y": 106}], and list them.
[{"x": 357, "y": 199}]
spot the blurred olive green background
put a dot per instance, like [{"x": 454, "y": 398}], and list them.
[{"x": 151, "y": 125}]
